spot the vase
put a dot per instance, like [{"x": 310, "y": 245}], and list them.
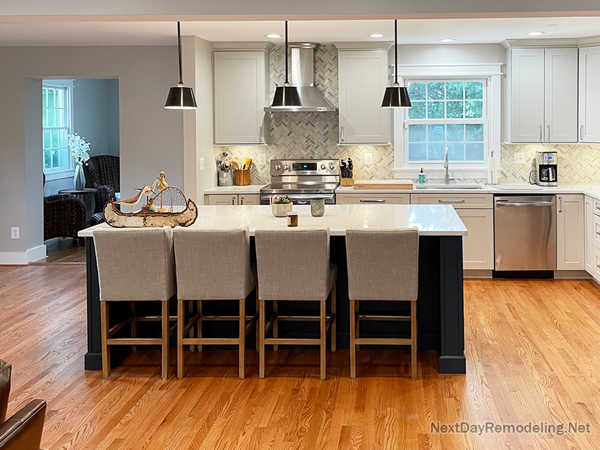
[
  {"x": 281, "y": 209},
  {"x": 78, "y": 178},
  {"x": 317, "y": 207}
]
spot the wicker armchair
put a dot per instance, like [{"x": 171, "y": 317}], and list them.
[
  {"x": 102, "y": 173},
  {"x": 64, "y": 216}
]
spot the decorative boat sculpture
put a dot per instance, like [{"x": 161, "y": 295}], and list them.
[{"x": 165, "y": 206}]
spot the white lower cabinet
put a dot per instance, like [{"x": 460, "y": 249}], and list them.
[
  {"x": 232, "y": 199},
  {"x": 570, "y": 232},
  {"x": 592, "y": 237},
  {"x": 372, "y": 199}
]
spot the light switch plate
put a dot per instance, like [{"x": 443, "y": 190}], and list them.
[{"x": 15, "y": 233}]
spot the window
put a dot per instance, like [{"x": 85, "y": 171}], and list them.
[
  {"x": 56, "y": 124},
  {"x": 447, "y": 115}
]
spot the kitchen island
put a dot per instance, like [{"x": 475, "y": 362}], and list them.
[{"x": 440, "y": 302}]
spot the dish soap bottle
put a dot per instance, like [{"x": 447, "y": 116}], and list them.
[{"x": 421, "y": 179}]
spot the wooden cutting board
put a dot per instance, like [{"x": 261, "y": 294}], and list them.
[{"x": 383, "y": 184}]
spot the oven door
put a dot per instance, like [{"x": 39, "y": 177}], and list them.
[{"x": 301, "y": 199}]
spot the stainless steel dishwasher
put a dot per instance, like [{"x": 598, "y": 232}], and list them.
[{"x": 525, "y": 232}]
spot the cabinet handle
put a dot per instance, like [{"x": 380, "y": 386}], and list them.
[
  {"x": 541, "y": 136},
  {"x": 581, "y": 132},
  {"x": 341, "y": 134},
  {"x": 233, "y": 200},
  {"x": 450, "y": 202},
  {"x": 560, "y": 204},
  {"x": 241, "y": 200},
  {"x": 548, "y": 128},
  {"x": 371, "y": 201}
]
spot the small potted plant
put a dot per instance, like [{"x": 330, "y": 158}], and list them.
[{"x": 281, "y": 205}]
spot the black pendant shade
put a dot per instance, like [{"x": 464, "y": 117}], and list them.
[
  {"x": 396, "y": 96},
  {"x": 180, "y": 97},
  {"x": 286, "y": 95}
]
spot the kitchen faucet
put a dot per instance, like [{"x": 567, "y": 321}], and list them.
[{"x": 446, "y": 174}]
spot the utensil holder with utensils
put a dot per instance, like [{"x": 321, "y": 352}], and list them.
[{"x": 242, "y": 177}]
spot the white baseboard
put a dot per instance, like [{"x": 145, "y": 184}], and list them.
[{"x": 23, "y": 258}]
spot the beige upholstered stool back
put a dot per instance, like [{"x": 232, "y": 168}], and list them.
[
  {"x": 383, "y": 264},
  {"x": 213, "y": 264},
  {"x": 293, "y": 264},
  {"x": 135, "y": 264}
]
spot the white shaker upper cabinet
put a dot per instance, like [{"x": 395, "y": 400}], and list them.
[
  {"x": 239, "y": 96},
  {"x": 589, "y": 94},
  {"x": 561, "y": 95},
  {"x": 363, "y": 77},
  {"x": 527, "y": 95}
]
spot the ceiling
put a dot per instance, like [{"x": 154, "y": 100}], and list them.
[{"x": 409, "y": 31}]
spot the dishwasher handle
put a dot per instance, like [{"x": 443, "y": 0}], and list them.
[{"x": 507, "y": 203}]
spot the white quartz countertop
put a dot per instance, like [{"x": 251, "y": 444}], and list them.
[
  {"x": 250, "y": 189},
  {"x": 587, "y": 189},
  {"x": 431, "y": 220}
]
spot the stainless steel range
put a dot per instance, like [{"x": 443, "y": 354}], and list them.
[{"x": 302, "y": 180}]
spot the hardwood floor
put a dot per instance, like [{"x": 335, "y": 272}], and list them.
[{"x": 532, "y": 350}]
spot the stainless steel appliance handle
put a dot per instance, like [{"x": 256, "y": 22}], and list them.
[
  {"x": 371, "y": 201},
  {"x": 450, "y": 202},
  {"x": 341, "y": 134},
  {"x": 507, "y": 203}
]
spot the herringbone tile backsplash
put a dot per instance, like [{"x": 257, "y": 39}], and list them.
[{"x": 315, "y": 135}]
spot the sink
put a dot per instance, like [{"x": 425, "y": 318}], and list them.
[
  {"x": 449, "y": 186},
  {"x": 517, "y": 187}
]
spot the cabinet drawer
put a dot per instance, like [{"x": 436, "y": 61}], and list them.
[
  {"x": 249, "y": 199},
  {"x": 374, "y": 199},
  {"x": 479, "y": 201},
  {"x": 221, "y": 199}
]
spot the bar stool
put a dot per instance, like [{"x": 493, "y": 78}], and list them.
[
  {"x": 293, "y": 265},
  {"x": 383, "y": 265},
  {"x": 213, "y": 265},
  {"x": 135, "y": 265}
]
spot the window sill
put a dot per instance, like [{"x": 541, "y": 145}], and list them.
[
  {"x": 59, "y": 174},
  {"x": 439, "y": 172}
]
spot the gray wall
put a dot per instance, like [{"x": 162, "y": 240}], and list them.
[
  {"x": 151, "y": 137},
  {"x": 96, "y": 114}
]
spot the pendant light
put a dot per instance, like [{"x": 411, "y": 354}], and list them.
[
  {"x": 396, "y": 96},
  {"x": 180, "y": 97},
  {"x": 286, "y": 95}
]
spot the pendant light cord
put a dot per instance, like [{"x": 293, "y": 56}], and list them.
[
  {"x": 395, "y": 51},
  {"x": 286, "y": 52},
  {"x": 179, "y": 51}
]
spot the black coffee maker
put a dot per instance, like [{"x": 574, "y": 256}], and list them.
[{"x": 547, "y": 168}]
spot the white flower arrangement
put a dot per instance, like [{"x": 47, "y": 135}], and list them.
[{"x": 79, "y": 148}]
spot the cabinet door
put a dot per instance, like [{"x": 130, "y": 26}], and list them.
[
  {"x": 222, "y": 199},
  {"x": 527, "y": 95},
  {"x": 589, "y": 94},
  {"x": 589, "y": 235},
  {"x": 239, "y": 97},
  {"x": 362, "y": 82},
  {"x": 570, "y": 232},
  {"x": 478, "y": 244},
  {"x": 561, "y": 95},
  {"x": 249, "y": 199}
]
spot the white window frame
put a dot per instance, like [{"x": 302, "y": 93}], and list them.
[
  {"x": 59, "y": 173},
  {"x": 491, "y": 74}
]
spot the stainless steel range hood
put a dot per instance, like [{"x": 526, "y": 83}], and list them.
[{"x": 303, "y": 76}]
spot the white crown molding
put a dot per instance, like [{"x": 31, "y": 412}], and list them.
[
  {"x": 381, "y": 45},
  {"x": 23, "y": 258},
  {"x": 552, "y": 42},
  {"x": 433, "y": 70},
  {"x": 240, "y": 46}
]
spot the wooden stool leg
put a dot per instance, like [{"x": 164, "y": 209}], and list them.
[
  {"x": 334, "y": 320},
  {"x": 256, "y": 324},
  {"x": 352, "y": 339},
  {"x": 275, "y": 324},
  {"x": 242, "y": 336},
  {"x": 164, "y": 319},
  {"x": 104, "y": 338},
  {"x": 357, "y": 307},
  {"x": 413, "y": 338},
  {"x": 180, "y": 313},
  {"x": 323, "y": 338},
  {"x": 261, "y": 332},
  {"x": 192, "y": 330},
  {"x": 133, "y": 323},
  {"x": 199, "y": 323}
]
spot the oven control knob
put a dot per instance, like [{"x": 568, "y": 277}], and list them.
[
  {"x": 332, "y": 166},
  {"x": 277, "y": 168},
  {"x": 323, "y": 167},
  {"x": 286, "y": 167}
]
